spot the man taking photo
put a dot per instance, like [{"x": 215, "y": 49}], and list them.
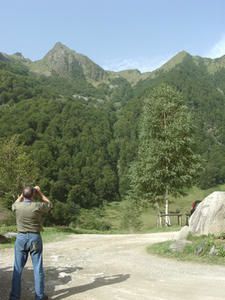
[{"x": 29, "y": 215}]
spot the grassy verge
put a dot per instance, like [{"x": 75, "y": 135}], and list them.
[
  {"x": 59, "y": 233},
  {"x": 112, "y": 215},
  {"x": 50, "y": 234},
  {"x": 197, "y": 251},
  {"x": 114, "y": 211}
]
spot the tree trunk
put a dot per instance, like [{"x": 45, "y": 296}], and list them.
[{"x": 167, "y": 218}]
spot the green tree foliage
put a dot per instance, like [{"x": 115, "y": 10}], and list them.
[
  {"x": 93, "y": 219},
  {"x": 17, "y": 83},
  {"x": 17, "y": 169},
  {"x": 204, "y": 96},
  {"x": 166, "y": 162},
  {"x": 84, "y": 138},
  {"x": 69, "y": 132},
  {"x": 72, "y": 143},
  {"x": 126, "y": 138},
  {"x": 131, "y": 214}
]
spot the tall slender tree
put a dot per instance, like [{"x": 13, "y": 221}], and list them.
[{"x": 166, "y": 160}]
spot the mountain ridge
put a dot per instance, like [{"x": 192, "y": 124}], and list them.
[{"x": 63, "y": 61}]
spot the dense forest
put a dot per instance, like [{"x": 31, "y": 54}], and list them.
[{"x": 79, "y": 124}]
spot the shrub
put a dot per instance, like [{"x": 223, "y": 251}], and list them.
[
  {"x": 131, "y": 216},
  {"x": 92, "y": 219}
]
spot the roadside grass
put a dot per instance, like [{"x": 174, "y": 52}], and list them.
[
  {"x": 192, "y": 251},
  {"x": 50, "y": 234},
  {"x": 113, "y": 214},
  {"x": 59, "y": 233}
]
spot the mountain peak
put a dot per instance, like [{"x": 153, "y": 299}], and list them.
[
  {"x": 183, "y": 53},
  {"x": 60, "y": 46},
  {"x": 175, "y": 60},
  {"x": 19, "y": 54},
  {"x": 66, "y": 62},
  {"x": 60, "y": 49}
]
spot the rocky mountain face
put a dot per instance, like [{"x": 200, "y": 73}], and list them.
[{"x": 65, "y": 62}]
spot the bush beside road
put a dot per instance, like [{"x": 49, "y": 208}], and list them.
[{"x": 203, "y": 249}]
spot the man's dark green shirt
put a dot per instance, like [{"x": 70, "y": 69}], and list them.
[{"x": 29, "y": 215}]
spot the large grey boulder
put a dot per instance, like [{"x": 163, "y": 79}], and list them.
[{"x": 209, "y": 216}]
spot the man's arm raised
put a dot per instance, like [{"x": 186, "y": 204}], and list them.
[
  {"x": 20, "y": 198},
  {"x": 46, "y": 203},
  {"x": 43, "y": 197}
]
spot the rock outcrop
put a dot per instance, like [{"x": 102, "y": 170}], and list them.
[
  {"x": 65, "y": 62},
  {"x": 209, "y": 216}
]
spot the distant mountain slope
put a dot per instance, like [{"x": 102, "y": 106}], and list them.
[
  {"x": 212, "y": 65},
  {"x": 81, "y": 122},
  {"x": 65, "y": 62},
  {"x": 3, "y": 57},
  {"x": 133, "y": 76},
  {"x": 202, "y": 83}
]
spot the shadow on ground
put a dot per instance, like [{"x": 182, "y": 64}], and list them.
[
  {"x": 98, "y": 282},
  {"x": 54, "y": 277}
]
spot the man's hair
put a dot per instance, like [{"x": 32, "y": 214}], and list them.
[{"x": 28, "y": 192}]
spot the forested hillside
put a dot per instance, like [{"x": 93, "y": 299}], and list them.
[{"x": 79, "y": 123}]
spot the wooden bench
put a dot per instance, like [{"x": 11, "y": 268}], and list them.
[{"x": 161, "y": 219}]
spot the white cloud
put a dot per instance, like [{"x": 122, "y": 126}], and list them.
[
  {"x": 142, "y": 64},
  {"x": 218, "y": 49}
]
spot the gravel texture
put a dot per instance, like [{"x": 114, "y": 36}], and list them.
[{"x": 105, "y": 267}]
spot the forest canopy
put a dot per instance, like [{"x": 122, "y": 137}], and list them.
[{"x": 83, "y": 137}]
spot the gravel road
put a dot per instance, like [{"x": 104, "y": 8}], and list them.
[{"x": 105, "y": 267}]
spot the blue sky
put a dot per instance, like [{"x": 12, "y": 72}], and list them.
[{"x": 116, "y": 34}]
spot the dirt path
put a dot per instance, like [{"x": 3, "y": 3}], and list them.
[{"x": 105, "y": 267}]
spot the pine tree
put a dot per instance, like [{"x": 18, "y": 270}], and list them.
[{"x": 166, "y": 160}]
